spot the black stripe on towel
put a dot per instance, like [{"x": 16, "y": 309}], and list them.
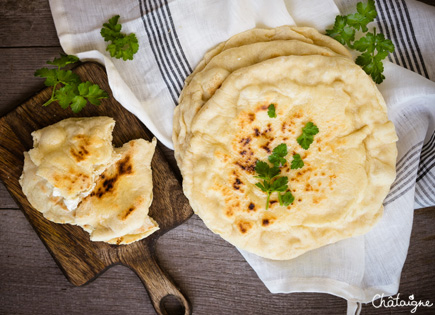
[
  {"x": 157, "y": 54},
  {"x": 427, "y": 158},
  {"x": 394, "y": 21},
  {"x": 406, "y": 174},
  {"x": 167, "y": 50},
  {"x": 414, "y": 40}
]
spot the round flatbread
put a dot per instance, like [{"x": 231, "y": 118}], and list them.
[
  {"x": 205, "y": 83},
  {"x": 240, "y": 51},
  {"x": 304, "y": 34},
  {"x": 348, "y": 168}
]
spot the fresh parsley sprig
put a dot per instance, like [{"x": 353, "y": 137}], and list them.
[
  {"x": 307, "y": 136},
  {"x": 271, "y": 181},
  {"x": 122, "y": 45},
  {"x": 72, "y": 92},
  {"x": 374, "y": 47}
]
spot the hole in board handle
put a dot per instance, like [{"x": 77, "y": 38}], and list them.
[{"x": 172, "y": 305}]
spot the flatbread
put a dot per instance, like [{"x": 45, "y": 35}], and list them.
[
  {"x": 304, "y": 34},
  {"x": 205, "y": 83},
  {"x": 348, "y": 168},
  {"x": 62, "y": 167},
  {"x": 40, "y": 194},
  {"x": 116, "y": 211}
]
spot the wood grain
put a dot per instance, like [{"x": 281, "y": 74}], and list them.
[{"x": 80, "y": 259}]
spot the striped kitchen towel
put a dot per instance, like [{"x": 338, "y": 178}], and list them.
[{"x": 174, "y": 35}]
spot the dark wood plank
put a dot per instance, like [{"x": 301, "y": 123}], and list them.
[
  {"x": 17, "y": 66},
  {"x": 27, "y": 24}
]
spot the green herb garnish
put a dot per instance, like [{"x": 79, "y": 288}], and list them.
[
  {"x": 374, "y": 47},
  {"x": 307, "y": 136},
  {"x": 286, "y": 199},
  {"x": 278, "y": 154},
  {"x": 72, "y": 92},
  {"x": 297, "y": 162},
  {"x": 271, "y": 181},
  {"x": 123, "y": 46},
  {"x": 271, "y": 111}
]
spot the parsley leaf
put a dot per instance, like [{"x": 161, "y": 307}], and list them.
[
  {"x": 63, "y": 60},
  {"x": 374, "y": 47},
  {"x": 341, "y": 31},
  {"x": 286, "y": 198},
  {"x": 366, "y": 13},
  {"x": 297, "y": 162},
  {"x": 280, "y": 184},
  {"x": 266, "y": 172},
  {"x": 72, "y": 91},
  {"x": 50, "y": 76},
  {"x": 271, "y": 111},
  {"x": 122, "y": 45},
  {"x": 278, "y": 154},
  {"x": 307, "y": 136}
]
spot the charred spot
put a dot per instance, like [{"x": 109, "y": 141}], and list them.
[
  {"x": 256, "y": 132},
  {"x": 244, "y": 226},
  {"x": 299, "y": 199},
  {"x": 80, "y": 154},
  {"x": 245, "y": 141},
  {"x": 249, "y": 168},
  {"x": 266, "y": 147},
  {"x": 243, "y": 152},
  {"x": 284, "y": 125},
  {"x": 119, "y": 240},
  {"x": 251, "y": 117},
  {"x": 273, "y": 202},
  {"x": 124, "y": 166},
  {"x": 241, "y": 166},
  {"x": 237, "y": 184},
  {"x": 127, "y": 213},
  {"x": 251, "y": 207},
  {"x": 265, "y": 222}
]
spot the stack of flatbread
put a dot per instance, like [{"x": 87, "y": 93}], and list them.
[
  {"x": 74, "y": 175},
  {"x": 222, "y": 128}
]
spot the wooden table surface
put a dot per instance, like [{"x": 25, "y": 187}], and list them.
[{"x": 211, "y": 272}]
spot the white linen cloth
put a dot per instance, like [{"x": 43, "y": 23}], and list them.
[{"x": 174, "y": 36}]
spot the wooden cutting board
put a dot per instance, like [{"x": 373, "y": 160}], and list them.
[{"x": 80, "y": 259}]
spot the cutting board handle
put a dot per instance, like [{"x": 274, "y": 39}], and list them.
[{"x": 156, "y": 281}]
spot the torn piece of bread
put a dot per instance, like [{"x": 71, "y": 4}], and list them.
[
  {"x": 116, "y": 211},
  {"x": 73, "y": 162}
]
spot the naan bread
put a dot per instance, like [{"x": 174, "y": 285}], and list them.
[
  {"x": 66, "y": 159},
  {"x": 205, "y": 83},
  {"x": 348, "y": 168},
  {"x": 304, "y": 34},
  {"x": 40, "y": 194},
  {"x": 116, "y": 211},
  {"x": 74, "y": 175}
]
